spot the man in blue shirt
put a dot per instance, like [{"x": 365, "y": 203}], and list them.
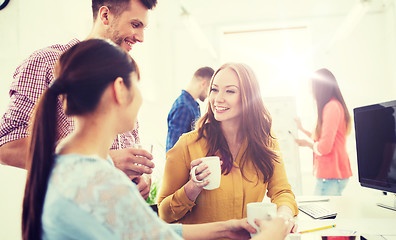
[{"x": 185, "y": 110}]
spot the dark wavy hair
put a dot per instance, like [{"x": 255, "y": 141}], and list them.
[
  {"x": 255, "y": 126},
  {"x": 83, "y": 73}
]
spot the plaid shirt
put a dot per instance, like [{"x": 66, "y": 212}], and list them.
[
  {"x": 181, "y": 118},
  {"x": 31, "y": 78}
]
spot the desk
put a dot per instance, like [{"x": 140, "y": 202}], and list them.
[{"x": 355, "y": 213}]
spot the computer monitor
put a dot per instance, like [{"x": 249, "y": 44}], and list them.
[{"x": 375, "y": 132}]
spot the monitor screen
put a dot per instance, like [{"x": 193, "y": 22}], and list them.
[{"x": 375, "y": 132}]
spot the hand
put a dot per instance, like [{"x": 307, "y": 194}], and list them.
[
  {"x": 193, "y": 188},
  {"x": 239, "y": 229},
  {"x": 143, "y": 183},
  {"x": 274, "y": 229},
  {"x": 133, "y": 162},
  {"x": 291, "y": 224},
  {"x": 201, "y": 172},
  {"x": 286, "y": 213}
]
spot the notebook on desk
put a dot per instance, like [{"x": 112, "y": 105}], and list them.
[{"x": 317, "y": 211}]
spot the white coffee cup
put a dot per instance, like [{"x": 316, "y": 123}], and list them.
[
  {"x": 262, "y": 211},
  {"x": 214, "y": 177}
]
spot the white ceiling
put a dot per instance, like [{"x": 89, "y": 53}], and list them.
[{"x": 209, "y": 12}]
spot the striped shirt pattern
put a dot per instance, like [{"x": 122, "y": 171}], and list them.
[{"x": 31, "y": 78}]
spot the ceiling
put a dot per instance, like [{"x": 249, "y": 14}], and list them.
[{"x": 209, "y": 12}]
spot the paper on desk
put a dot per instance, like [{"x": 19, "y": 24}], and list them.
[
  {"x": 312, "y": 224},
  {"x": 350, "y": 226},
  {"x": 372, "y": 226}
]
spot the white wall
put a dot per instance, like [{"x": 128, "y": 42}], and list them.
[
  {"x": 363, "y": 60},
  {"x": 26, "y": 26}
]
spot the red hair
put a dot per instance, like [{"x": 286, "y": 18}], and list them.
[{"x": 255, "y": 126}]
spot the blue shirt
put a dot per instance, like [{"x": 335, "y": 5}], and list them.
[
  {"x": 88, "y": 198},
  {"x": 181, "y": 118}
]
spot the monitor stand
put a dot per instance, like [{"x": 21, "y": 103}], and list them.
[{"x": 389, "y": 206}]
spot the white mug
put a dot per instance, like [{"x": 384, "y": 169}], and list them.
[
  {"x": 214, "y": 177},
  {"x": 262, "y": 211}
]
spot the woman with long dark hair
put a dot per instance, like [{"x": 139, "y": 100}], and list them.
[
  {"x": 73, "y": 190},
  {"x": 331, "y": 164},
  {"x": 237, "y": 128}
]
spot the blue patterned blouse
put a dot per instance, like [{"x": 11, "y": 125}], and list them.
[{"x": 88, "y": 198}]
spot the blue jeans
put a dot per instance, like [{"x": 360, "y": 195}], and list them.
[{"x": 330, "y": 187}]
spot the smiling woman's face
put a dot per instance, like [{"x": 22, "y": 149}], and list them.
[{"x": 225, "y": 97}]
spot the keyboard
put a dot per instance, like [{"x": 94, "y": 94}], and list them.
[{"x": 317, "y": 211}]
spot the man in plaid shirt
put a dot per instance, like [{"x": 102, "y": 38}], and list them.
[
  {"x": 185, "y": 110},
  {"x": 121, "y": 21}
]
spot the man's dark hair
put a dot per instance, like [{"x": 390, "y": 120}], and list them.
[
  {"x": 118, "y": 6},
  {"x": 204, "y": 72}
]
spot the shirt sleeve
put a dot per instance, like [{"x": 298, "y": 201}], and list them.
[
  {"x": 279, "y": 189},
  {"x": 173, "y": 202},
  {"x": 179, "y": 122},
  {"x": 127, "y": 139},
  {"x": 30, "y": 80},
  {"x": 331, "y": 120}
]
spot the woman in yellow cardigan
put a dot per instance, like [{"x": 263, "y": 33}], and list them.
[{"x": 237, "y": 128}]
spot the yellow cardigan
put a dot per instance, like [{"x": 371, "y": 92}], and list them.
[{"x": 224, "y": 203}]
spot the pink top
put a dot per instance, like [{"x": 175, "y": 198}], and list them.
[{"x": 330, "y": 158}]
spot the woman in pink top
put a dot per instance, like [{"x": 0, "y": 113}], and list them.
[{"x": 331, "y": 164}]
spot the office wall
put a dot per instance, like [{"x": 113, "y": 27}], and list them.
[
  {"x": 26, "y": 26},
  {"x": 363, "y": 60}
]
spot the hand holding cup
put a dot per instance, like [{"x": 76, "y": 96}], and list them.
[
  {"x": 199, "y": 171},
  {"x": 206, "y": 172},
  {"x": 260, "y": 211}
]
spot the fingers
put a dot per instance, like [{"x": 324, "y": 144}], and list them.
[
  {"x": 198, "y": 174},
  {"x": 239, "y": 229},
  {"x": 245, "y": 225},
  {"x": 142, "y": 186},
  {"x": 143, "y": 189},
  {"x": 140, "y": 152},
  {"x": 138, "y": 162},
  {"x": 277, "y": 225},
  {"x": 135, "y": 170},
  {"x": 196, "y": 162},
  {"x": 201, "y": 172},
  {"x": 133, "y": 162},
  {"x": 141, "y": 156}
]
